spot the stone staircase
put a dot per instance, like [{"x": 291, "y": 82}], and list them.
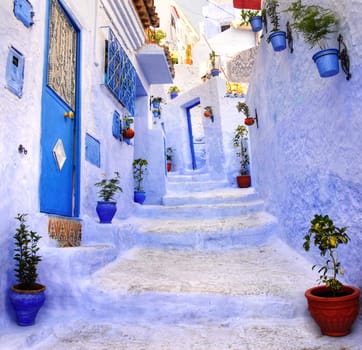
[{"x": 208, "y": 253}]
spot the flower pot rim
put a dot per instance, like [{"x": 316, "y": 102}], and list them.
[
  {"x": 278, "y": 32},
  {"x": 325, "y": 52},
  {"x": 309, "y": 294},
  {"x": 108, "y": 202},
  {"x": 39, "y": 288}
]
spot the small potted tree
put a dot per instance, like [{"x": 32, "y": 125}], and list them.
[
  {"x": 214, "y": 70},
  {"x": 107, "y": 206},
  {"x": 242, "y": 107},
  {"x": 333, "y": 305},
  {"x": 169, "y": 155},
  {"x": 27, "y": 296},
  {"x": 253, "y": 18},
  {"x": 139, "y": 170},
  {"x": 316, "y": 23},
  {"x": 277, "y": 37},
  {"x": 240, "y": 142},
  {"x": 173, "y": 91}
]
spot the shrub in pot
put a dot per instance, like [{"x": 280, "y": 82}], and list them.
[
  {"x": 27, "y": 296},
  {"x": 333, "y": 305},
  {"x": 242, "y": 107},
  {"x": 173, "y": 91},
  {"x": 277, "y": 37},
  {"x": 139, "y": 170},
  {"x": 169, "y": 155},
  {"x": 253, "y": 18},
  {"x": 316, "y": 23},
  {"x": 214, "y": 70},
  {"x": 240, "y": 142},
  {"x": 107, "y": 206}
]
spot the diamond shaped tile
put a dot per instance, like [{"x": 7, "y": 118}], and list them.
[{"x": 59, "y": 154}]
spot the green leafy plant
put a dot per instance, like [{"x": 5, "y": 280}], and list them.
[
  {"x": 240, "y": 142},
  {"x": 314, "y": 22},
  {"x": 173, "y": 88},
  {"x": 243, "y": 107},
  {"x": 246, "y": 15},
  {"x": 169, "y": 153},
  {"x": 272, "y": 12},
  {"x": 212, "y": 57},
  {"x": 327, "y": 237},
  {"x": 109, "y": 187},
  {"x": 26, "y": 255},
  {"x": 139, "y": 170}
]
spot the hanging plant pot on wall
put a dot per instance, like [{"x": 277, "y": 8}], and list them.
[
  {"x": 247, "y": 4},
  {"x": 256, "y": 23},
  {"x": 128, "y": 133},
  {"x": 327, "y": 62},
  {"x": 278, "y": 40}
]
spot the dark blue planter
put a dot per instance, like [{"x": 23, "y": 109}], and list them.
[
  {"x": 106, "y": 211},
  {"x": 256, "y": 23},
  {"x": 156, "y": 114},
  {"x": 139, "y": 196},
  {"x": 26, "y": 304},
  {"x": 215, "y": 72},
  {"x": 173, "y": 95},
  {"x": 156, "y": 104},
  {"x": 327, "y": 62},
  {"x": 278, "y": 40}
]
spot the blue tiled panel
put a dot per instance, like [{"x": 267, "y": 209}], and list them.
[
  {"x": 92, "y": 150},
  {"x": 23, "y": 10},
  {"x": 15, "y": 72},
  {"x": 120, "y": 75}
]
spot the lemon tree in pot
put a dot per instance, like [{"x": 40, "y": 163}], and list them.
[
  {"x": 240, "y": 142},
  {"x": 27, "y": 296},
  {"x": 333, "y": 306},
  {"x": 316, "y": 23},
  {"x": 139, "y": 170},
  {"x": 107, "y": 206}
]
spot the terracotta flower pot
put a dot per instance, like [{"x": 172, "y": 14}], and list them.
[
  {"x": 128, "y": 133},
  {"x": 249, "y": 121},
  {"x": 169, "y": 166},
  {"x": 243, "y": 181},
  {"x": 334, "y": 315},
  {"x": 207, "y": 114}
]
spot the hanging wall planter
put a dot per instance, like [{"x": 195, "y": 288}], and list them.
[
  {"x": 327, "y": 62},
  {"x": 256, "y": 23},
  {"x": 128, "y": 133},
  {"x": 247, "y": 4},
  {"x": 278, "y": 40}
]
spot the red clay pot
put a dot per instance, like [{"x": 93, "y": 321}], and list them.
[
  {"x": 207, "y": 114},
  {"x": 128, "y": 133},
  {"x": 169, "y": 166},
  {"x": 247, "y": 4},
  {"x": 334, "y": 315},
  {"x": 249, "y": 121},
  {"x": 243, "y": 181}
]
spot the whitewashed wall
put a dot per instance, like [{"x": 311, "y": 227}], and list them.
[{"x": 307, "y": 151}]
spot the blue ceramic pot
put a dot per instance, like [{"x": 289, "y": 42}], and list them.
[
  {"x": 256, "y": 23},
  {"x": 106, "y": 211},
  {"x": 139, "y": 196},
  {"x": 327, "y": 62},
  {"x": 173, "y": 95},
  {"x": 215, "y": 72},
  {"x": 278, "y": 40},
  {"x": 27, "y": 303}
]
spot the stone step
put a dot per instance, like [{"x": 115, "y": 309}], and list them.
[
  {"x": 185, "y": 286},
  {"x": 216, "y": 210},
  {"x": 194, "y": 185},
  {"x": 204, "y": 233},
  {"x": 219, "y": 195}
]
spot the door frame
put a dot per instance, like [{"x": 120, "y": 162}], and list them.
[{"x": 77, "y": 131}]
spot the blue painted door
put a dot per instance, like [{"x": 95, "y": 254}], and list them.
[{"x": 59, "y": 179}]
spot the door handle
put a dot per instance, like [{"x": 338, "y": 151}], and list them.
[{"x": 69, "y": 115}]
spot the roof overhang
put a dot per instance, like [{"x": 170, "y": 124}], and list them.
[{"x": 154, "y": 65}]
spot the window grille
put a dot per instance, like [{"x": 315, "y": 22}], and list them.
[{"x": 120, "y": 75}]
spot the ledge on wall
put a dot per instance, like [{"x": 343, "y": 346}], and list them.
[{"x": 154, "y": 65}]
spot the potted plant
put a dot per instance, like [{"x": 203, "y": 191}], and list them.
[
  {"x": 240, "y": 141},
  {"x": 169, "y": 155},
  {"x": 27, "y": 296},
  {"x": 315, "y": 23},
  {"x": 107, "y": 207},
  {"x": 173, "y": 91},
  {"x": 156, "y": 105},
  {"x": 253, "y": 18},
  {"x": 276, "y": 37},
  {"x": 243, "y": 107},
  {"x": 127, "y": 131},
  {"x": 139, "y": 170},
  {"x": 333, "y": 306},
  {"x": 214, "y": 71}
]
